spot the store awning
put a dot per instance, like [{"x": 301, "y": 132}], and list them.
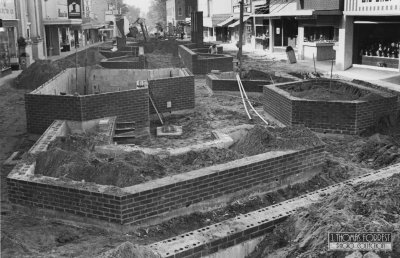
[
  {"x": 48, "y": 21},
  {"x": 236, "y": 23},
  {"x": 88, "y": 26},
  {"x": 286, "y": 14},
  {"x": 222, "y": 24}
]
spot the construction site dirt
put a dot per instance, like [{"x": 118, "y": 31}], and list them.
[{"x": 26, "y": 233}]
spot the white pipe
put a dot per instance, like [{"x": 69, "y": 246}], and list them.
[
  {"x": 248, "y": 100},
  {"x": 241, "y": 94}
]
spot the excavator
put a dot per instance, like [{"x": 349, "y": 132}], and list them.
[{"x": 142, "y": 23}]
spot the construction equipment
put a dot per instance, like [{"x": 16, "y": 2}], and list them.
[{"x": 142, "y": 23}]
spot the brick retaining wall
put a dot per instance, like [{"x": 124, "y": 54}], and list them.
[
  {"x": 198, "y": 65},
  {"x": 218, "y": 237},
  {"x": 217, "y": 84},
  {"x": 155, "y": 199},
  {"x": 347, "y": 117},
  {"x": 120, "y": 63},
  {"x": 178, "y": 90},
  {"x": 42, "y": 110},
  {"x": 127, "y": 105}
]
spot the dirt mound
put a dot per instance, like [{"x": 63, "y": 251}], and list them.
[
  {"x": 38, "y": 73},
  {"x": 43, "y": 70},
  {"x": 261, "y": 139},
  {"x": 379, "y": 151},
  {"x": 368, "y": 207},
  {"x": 129, "y": 250},
  {"x": 74, "y": 158}
]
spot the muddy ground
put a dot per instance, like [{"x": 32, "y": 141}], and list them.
[
  {"x": 368, "y": 207},
  {"x": 26, "y": 235},
  {"x": 73, "y": 157}
]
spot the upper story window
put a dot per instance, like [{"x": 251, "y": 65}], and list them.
[{"x": 180, "y": 11}]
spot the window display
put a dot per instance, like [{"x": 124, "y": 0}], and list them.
[
  {"x": 320, "y": 34},
  {"x": 382, "y": 49}
]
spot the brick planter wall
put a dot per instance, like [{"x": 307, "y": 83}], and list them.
[
  {"x": 347, "y": 117},
  {"x": 198, "y": 65},
  {"x": 217, "y": 84},
  {"x": 42, "y": 110},
  {"x": 120, "y": 63},
  {"x": 178, "y": 90},
  {"x": 155, "y": 199},
  {"x": 127, "y": 105}
]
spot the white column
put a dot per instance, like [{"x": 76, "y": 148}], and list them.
[
  {"x": 271, "y": 35},
  {"x": 344, "y": 52},
  {"x": 300, "y": 41}
]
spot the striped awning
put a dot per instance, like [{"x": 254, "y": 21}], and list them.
[
  {"x": 227, "y": 21},
  {"x": 236, "y": 23}
]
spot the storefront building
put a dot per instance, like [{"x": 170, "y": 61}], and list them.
[
  {"x": 318, "y": 34},
  {"x": 62, "y": 22},
  {"x": 215, "y": 13},
  {"x": 8, "y": 36},
  {"x": 369, "y": 35}
]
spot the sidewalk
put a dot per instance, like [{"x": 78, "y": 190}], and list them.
[
  {"x": 9, "y": 77},
  {"x": 388, "y": 79},
  {"x": 65, "y": 54}
]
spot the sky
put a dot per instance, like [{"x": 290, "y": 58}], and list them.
[{"x": 142, "y": 4}]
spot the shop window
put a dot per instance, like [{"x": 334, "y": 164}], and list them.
[{"x": 318, "y": 34}]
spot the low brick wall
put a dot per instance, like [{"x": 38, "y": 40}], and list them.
[
  {"x": 120, "y": 63},
  {"x": 346, "y": 117},
  {"x": 217, "y": 84},
  {"x": 177, "y": 90},
  {"x": 125, "y": 51},
  {"x": 213, "y": 240},
  {"x": 204, "y": 63},
  {"x": 42, "y": 108},
  {"x": 158, "y": 198}
]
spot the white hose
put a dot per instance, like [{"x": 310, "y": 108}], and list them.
[
  {"x": 241, "y": 94},
  {"x": 248, "y": 100}
]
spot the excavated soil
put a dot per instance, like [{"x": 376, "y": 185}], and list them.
[
  {"x": 368, "y": 207},
  {"x": 74, "y": 157},
  {"x": 43, "y": 70},
  {"x": 327, "y": 93},
  {"x": 253, "y": 74}
]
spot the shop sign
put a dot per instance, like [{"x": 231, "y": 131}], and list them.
[
  {"x": 7, "y": 9},
  {"x": 74, "y": 9}
]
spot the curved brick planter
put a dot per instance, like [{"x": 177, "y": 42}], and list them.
[
  {"x": 159, "y": 198},
  {"x": 346, "y": 117}
]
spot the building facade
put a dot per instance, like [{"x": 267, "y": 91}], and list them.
[
  {"x": 62, "y": 20},
  {"x": 216, "y": 12},
  {"x": 369, "y": 34},
  {"x": 179, "y": 13},
  {"x": 23, "y": 31}
]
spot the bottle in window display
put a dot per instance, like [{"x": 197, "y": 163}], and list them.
[
  {"x": 392, "y": 49},
  {"x": 379, "y": 52}
]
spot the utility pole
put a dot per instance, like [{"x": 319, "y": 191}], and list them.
[{"x": 240, "y": 43}]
